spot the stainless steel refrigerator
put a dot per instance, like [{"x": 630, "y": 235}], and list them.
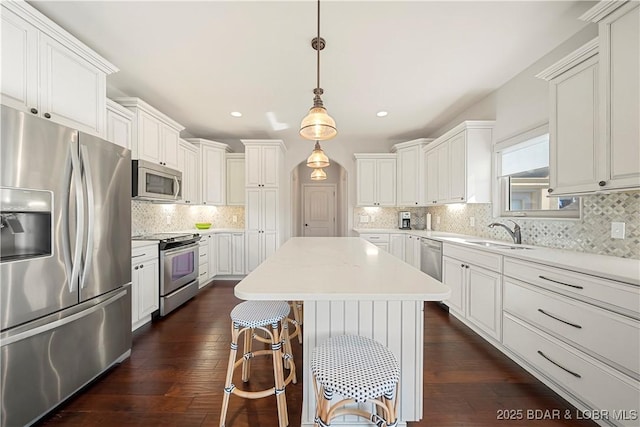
[{"x": 65, "y": 262}]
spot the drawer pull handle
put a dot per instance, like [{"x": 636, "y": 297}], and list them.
[
  {"x": 138, "y": 256},
  {"x": 559, "y": 365},
  {"x": 561, "y": 283},
  {"x": 559, "y": 319}
]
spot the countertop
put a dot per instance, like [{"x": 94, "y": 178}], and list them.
[
  {"x": 337, "y": 268},
  {"x": 141, "y": 243},
  {"x": 625, "y": 270}
]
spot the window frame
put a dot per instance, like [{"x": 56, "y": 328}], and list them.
[{"x": 501, "y": 184}]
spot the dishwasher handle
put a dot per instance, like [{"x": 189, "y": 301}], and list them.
[{"x": 432, "y": 244}]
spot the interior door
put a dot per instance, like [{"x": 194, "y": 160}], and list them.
[
  {"x": 319, "y": 210},
  {"x": 106, "y": 174}
]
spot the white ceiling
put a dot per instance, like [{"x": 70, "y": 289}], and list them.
[{"x": 422, "y": 61}]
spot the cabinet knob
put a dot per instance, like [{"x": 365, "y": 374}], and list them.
[
  {"x": 416, "y": 203},
  {"x": 550, "y": 190},
  {"x": 306, "y": 225},
  {"x": 135, "y": 268},
  {"x": 462, "y": 265},
  {"x": 141, "y": 265},
  {"x": 461, "y": 198},
  {"x": 602, "y": 183},
  {"x": 47, "y": 115},
  {"x": 466, "y": 266},
  {"x": 34, "y": 111},
  {"x": 434, "y": 201}
]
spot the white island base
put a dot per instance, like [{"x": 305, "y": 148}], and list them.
[
  {"x": 349, "y": 286},
  {"x": 398, "y": 325}
]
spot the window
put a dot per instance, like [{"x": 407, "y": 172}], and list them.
[{"x": 523, "y": 176}]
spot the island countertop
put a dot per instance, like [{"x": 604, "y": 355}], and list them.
[{"x": 337, "y": 268}]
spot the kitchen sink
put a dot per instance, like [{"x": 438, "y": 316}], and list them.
[{"x": 495, "y": 245}]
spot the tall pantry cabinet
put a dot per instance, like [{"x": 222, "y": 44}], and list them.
[{"x": 264, "y": 199}]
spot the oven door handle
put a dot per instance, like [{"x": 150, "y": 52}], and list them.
[{"x": 181, "y": 249}]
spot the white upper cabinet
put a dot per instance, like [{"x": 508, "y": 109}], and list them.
[
  {"x": 119, "y": 124},
  {"x": 263, "y": 162},
  {"x": 188, "y": 163},
  {"x": 156, "y": 137},
  {"x": 460, "y": 164},
  {"x": 213, "y": 170},
  {"x": 235, "y": 179},
  {"x": 573, "y": 121},
  {"x": 618, "y": 150},
  {"x": 411, "y": 172},
  {"x": 49, "y": 73},
  {"x": 376, "y": 179}
]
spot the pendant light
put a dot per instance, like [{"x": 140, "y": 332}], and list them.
[
  {"x": 318, "y": 175},
  {"x": 318, "y": 124},
  {"x": 318, "y": 159}
]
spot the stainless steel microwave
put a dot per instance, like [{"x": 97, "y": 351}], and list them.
[{"x": 150, "y": 181}]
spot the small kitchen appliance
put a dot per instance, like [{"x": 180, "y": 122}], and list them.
[{"x": 404, "y": 220}]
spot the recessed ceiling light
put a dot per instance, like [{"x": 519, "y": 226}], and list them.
[
  {"x": 236, "y": 114},
  {"x": 381, "y": 113}
]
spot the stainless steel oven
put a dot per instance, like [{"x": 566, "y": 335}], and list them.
[{"x": 150, "y": 181}]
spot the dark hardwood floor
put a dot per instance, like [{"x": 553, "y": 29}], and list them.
[{"x": 176, "y": 371}]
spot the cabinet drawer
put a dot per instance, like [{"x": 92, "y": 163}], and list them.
[
  {"x": 376, "y": 237},
  {"x": 484, "y": 259},
  {"x": 203, "y": 254},
  {"x": 144, "y": 253},
  {"x": 610, "y": 294},
  {"x": 203, "y": 273},
  {"x": 609, "y": 335},
  {"x": 597, "y": 385}
]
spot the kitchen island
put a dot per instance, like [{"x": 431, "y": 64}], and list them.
[{"x": 349, "y": 286}]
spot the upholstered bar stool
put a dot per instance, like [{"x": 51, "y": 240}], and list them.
[
  {"x": 268, "y": 317},
  {"x": 359, "y": 370}
]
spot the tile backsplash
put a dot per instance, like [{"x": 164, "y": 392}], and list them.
[
  {"x": 147, "y": 217},
  {"x": 591, "y": 233}
]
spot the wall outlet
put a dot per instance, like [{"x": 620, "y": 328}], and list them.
[
  {"x": 617, "y": 230},
  {"x": 168, "y": 219},
  {"x": 364, "y": 218},
  {"x": 472, "y": 221},
  {"x": 438, "y": 220},
  {"x": 234, "y": 219}
]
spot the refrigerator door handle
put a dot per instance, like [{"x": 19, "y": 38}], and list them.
[
  {"x": 64, "y": 203},
  {"x": 91, "y": 214},
  {"x": 60, "y": 322},
  {"x": 77, "y": 256},
  {"x": 177, "y": 187}
]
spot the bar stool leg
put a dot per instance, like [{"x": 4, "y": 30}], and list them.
[
  {"x": 276, "y": 348},
  {"x": 228, "y": 386},
  {"x": 246, "y": 362}
]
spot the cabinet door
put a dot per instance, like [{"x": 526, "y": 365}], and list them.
[
  {"x": 235, "y": 182},
  {"x": 238, "y": 253},
  {"x": 443, "y": 172},
  {"x": 416, "y": 252},
  {"x": 169, "y": 144},
  {"x": 148, "y": 135},
  {"x": 270, "y": 209},
  {"x": 118, "y": 129},
  {"x": 453, "y": 275},
  {"x": 366, "y": 182},
  {"x": 213, "y": 175},
  {"x": 149, "y": 288},
  {"x": 396, "y": 245},
  {"x": 19, "y": 63},
  {"x": 190, "y": 177},
  {"x": 254, "y": 251},
  {"x": 213, "y": 256},
  {"x": 135, "y": 295},
  {"x": 409, "y": 253},
  {"x": 457, "y": 168},
  {"x": 573, "y": 129},
  {"x": 253, "y": 171},
  {"x": 409, "y": 186},
  {"x": 484, "y": 290},
  {"x": 620, "y": 86},
  {"x": 383, "y": 245},
  {"x": 386, "y": 182},
  {"x": 270, "y": 166},
  {"x": 431, "y": 162},
  {"x": 224, "y": 254},
  {"x": 253, "y": 211},
  {"x": 72, "y": 91}
]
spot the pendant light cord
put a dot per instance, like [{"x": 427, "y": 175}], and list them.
[{"x": 318, "y": 50}]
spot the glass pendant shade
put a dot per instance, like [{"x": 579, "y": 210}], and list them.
[
  {"x": 318, "y": 125},
  {"x": 318, "y": 175},
  {"x": 317, "y": 159}
]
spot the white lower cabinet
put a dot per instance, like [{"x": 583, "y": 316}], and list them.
[
  {"x": 212, "y": 256},
  {"x": 412, "y": 250},
  {"x": 396, "y": 245},
  {"x": 261, "y": 222},
  {"x": 224, "y": 265},
  {"x": 203, "y": 261},
  {"x": 145, "y": 286},
  {"x": 237, "y": 259},
  {"x": 475, "y": 278}
]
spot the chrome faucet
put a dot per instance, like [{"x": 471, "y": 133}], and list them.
[{"x": 515, "y": 233}]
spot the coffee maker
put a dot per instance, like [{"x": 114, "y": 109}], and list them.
[{"x": 404, "y": 220}]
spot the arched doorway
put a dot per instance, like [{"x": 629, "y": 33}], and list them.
[{"x": 319, "y": 208}]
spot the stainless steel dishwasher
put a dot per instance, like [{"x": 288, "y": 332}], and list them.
[{"x": 431, "y": 261}]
